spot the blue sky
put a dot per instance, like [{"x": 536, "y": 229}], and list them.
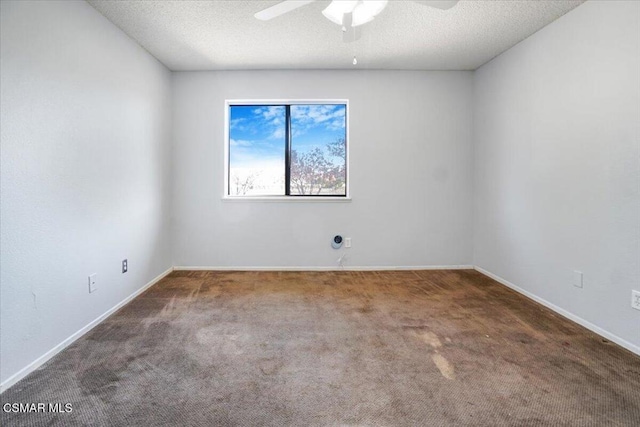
[{"x": 257, "y": 133}]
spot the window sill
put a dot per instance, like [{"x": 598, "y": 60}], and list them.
[{"x": 294, "y": 199}]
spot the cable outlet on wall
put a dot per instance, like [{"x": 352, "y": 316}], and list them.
[
  {"x": 92, "y": 283},
  {"x": 577, "y": 279},
  {"x": 125, "y": 266},
  {"x": 635, "y": 299},
  {"x": 347, "y": 242}
]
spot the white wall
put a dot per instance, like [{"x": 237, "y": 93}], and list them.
[
  {"x": 410, "y": 176},
  {"x": 85, "y": 141},
  {"x": 557, "y": 165}
]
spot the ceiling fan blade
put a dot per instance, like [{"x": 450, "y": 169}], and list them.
[
  {"x": 281, "y": 8},
  {"x": 438, "y": 4}
]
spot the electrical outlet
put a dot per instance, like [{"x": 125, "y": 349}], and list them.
[
  {"x": 125, "y": 266},
  {"x": 92, "y": 283},
  {"x": 347, "y": 242},
  {"x": 577, "y": 279},
  {"x": 635, "y": 299}
]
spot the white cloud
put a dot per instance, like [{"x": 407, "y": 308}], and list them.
[
  {"x": 234, "y": 124},
  {"x": 240, "y": 143},
  {"x": 277, "y": 133},
  {"x": 310, "y": 116},
  {"x": 336, "y": 124},
  {"x": 273, "y": 118}
]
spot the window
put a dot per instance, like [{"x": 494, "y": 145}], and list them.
[{"x": 286, "y": 149}]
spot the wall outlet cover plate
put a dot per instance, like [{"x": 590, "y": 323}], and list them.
[
  {"x": 92, "y": 283},
  {"x": 635, "y": 299},
  {"x": 577, "y": 279}
]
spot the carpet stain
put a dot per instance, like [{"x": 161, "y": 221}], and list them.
[
  {"x": 367, "y": 308},
  {"x": 430, "y": 338},
  {"x": 99, "y": 381},
  {"x": 443, "y": 365},
  {"x": 269, "y": 367}
]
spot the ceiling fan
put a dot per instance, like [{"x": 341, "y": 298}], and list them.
[
  {"x": 361, "y": 11},
  {"x": 349, "y": 14}
]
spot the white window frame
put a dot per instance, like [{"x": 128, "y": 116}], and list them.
[{"x": 227, "y": 197}]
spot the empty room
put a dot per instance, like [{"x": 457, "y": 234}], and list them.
[{"x": 320, "y": 213}]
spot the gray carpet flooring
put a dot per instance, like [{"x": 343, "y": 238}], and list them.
[{"x": 435, "y": 348}]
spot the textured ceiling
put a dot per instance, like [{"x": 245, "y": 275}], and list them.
[{"x": 224, "y": 35}]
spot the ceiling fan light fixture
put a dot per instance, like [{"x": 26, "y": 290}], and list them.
[
  {"x": 360, "y": 18},
  {"x": 337, "y": 8},
  {"x": 366, "y": 10},
  {"x": 363, "y": 10}
]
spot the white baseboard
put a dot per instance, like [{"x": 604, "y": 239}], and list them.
[
  {"x": 324, "y": 268},
  {"x": 64, "y": 344},
  {"x": 579, "y": 320}
]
